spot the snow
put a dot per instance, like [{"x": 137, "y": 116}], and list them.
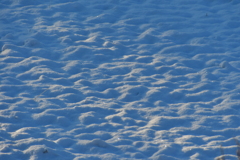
[{"x": 113, "y": 79}]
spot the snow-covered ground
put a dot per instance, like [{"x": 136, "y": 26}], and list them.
[{"x": 119, "y": 79}]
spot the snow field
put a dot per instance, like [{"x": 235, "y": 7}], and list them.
[{"x": 119, "y": 79}]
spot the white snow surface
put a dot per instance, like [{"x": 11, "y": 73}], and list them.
[{"x": 119, "y": 79}]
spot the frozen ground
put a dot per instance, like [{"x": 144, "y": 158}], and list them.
[{"x": 119, "y": 79}]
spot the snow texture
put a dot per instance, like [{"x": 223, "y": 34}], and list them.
[{"x": 119, "y": 79}]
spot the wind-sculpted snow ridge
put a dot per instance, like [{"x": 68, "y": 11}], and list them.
[{"x": 115, "y": 79}]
